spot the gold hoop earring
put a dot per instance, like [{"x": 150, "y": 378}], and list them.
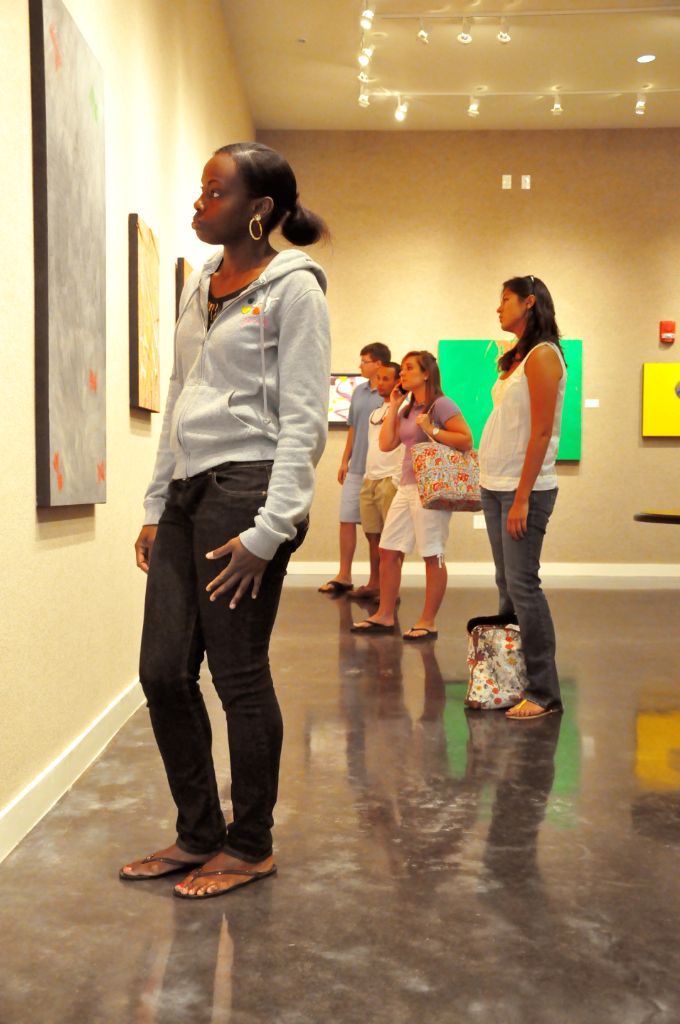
[{"x": 257, "y": 219}]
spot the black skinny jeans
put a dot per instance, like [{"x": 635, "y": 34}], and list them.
[{"x": 180, "y": 625}]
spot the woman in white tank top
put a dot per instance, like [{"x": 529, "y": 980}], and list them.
[{"x": 519, "y": 484}]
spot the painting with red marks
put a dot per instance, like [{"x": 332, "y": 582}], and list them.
[
  {"x": 69, "y": 204},
  {"x": 55, "y": 46},
  {"x": 145, "y": 383},
  {"x": 59, "y": 476}
]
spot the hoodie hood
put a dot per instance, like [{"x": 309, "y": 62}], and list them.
[{"x": 284, "y": 262}]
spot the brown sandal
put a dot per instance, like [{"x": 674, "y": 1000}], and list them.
[
  {"x": 175, "y": 867},
  {"x": 253, "y": 876}
]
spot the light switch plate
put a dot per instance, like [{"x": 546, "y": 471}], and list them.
[
  {"x": 526, "y": 181},
  {"x": 506, "y": 181}
]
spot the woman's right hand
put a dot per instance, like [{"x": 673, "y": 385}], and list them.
[
  {"x": 144, "y": 546},
  {"x": 397, "y": 396}
]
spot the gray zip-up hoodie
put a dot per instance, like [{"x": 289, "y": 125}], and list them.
[{"x": 254, "y": 386}]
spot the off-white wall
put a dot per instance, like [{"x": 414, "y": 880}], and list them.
[
  {"x": 70, "y": 593},
  {"x": 423, "y": 237}
]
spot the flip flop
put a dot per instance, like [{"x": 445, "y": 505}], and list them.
[
  {"x": 253, "y": 876},
  {"x": 365, "y": 592},
  {"x": 530, "y": 718},
  {"x": 426, "y": 634},
  {"x": 367, "y": 626},
  {"x": 176, "y": 867},
  {"x": 335, "y": 587}
]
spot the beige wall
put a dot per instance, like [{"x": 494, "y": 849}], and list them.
[
  {"x": 70, "y": 594},
  {"x": 423, "y": 238}
]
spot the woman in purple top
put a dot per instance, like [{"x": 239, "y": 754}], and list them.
[{"x": 427, "y": 414}]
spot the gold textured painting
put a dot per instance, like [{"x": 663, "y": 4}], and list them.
[
  {"x": 145, "y": 391},
  {"x": 183, "y": 270}
]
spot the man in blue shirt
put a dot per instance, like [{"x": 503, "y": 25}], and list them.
[{"x": 353, "y": 465}]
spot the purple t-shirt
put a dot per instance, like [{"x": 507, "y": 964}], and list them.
[{"x": 410, "y": 433}]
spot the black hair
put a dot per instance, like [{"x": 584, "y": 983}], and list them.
[
  {"x": 393, "y": 366},
  {"x": 433, "y": 385},
  {"x": 376, "y": 350},
  {"x": 265, "y": 172},
  {"x": 541, "y": 323}
]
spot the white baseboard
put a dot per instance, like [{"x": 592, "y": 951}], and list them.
[
  {"x": 41, "y": 794},
  {"x": 577, "y": 574}
]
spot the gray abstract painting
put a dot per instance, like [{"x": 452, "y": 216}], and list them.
[{"x": 70, "y": 260}]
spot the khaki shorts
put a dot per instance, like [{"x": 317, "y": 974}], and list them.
[{"x": 375, "y": 498}]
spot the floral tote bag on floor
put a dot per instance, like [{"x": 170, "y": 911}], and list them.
[{"x": 498, "y": 673}]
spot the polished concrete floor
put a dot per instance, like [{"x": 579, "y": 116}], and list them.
[{"x": 433, "y": 865}]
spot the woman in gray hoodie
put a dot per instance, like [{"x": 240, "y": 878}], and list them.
[{"x": 244, "y": 426}]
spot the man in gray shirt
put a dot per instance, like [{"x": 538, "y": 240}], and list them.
[{"x": 353, "y": 465}]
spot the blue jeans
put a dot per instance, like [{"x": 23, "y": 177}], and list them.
[
  {"x": 519, "y": 587},
  {"x": 180, "y": 625}
]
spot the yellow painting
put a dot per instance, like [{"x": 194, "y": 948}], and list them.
[
  {"x": 661, "y": 400},
  {"x": 144, "y": 317},
  {"x": 657, "y": 750}
]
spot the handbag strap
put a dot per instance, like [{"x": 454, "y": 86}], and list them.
[{"x": 435, "y": 421}]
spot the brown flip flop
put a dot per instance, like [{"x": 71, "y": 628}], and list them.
[
  {"x": 335, "y": 587},
  {"x": 253, "y": 876},
  {"x": 175, "y": 867}
]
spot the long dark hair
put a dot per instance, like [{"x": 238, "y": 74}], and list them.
[
  {"x": 541, "y": 323},
  {"x": 266, "y": 173},
  {"x": 433, "y": 385}
]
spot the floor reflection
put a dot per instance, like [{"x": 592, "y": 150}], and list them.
[{"x": 433, "y": 863}]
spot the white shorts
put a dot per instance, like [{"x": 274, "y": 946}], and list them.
[
  {"x": 349, "y": 498},
  {"x": 409, "y": 525}
]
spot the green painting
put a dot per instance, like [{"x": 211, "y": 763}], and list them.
[{"x": 468, "y": 369}]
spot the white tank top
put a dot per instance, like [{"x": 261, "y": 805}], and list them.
[{"x": 506, "y": 434}]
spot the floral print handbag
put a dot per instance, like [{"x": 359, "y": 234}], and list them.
[
  {"x": 448, "y": 480},
  {"x": 498, "y": 673}
]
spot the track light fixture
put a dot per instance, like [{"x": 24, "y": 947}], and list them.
[
  {"x": 366, "y": 20},
  {"x": 556, "y": 108},
  {"x": 364, "y": 57},
  {"x": 504, "y": 33},
  {"x": 465, "y": 36},
  {"x": 364, "y": 98},
  {"x": 363, "y": 76},
  {"x": 423, "y": 34},
  {"x": 640, "y": 105},
  {"x": 473, "y": 107},
  {"x": 402, "y": 109}
]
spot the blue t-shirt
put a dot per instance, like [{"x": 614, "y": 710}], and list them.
[
  {"x": 364, "y": 400},
  {"x": 410, "y": 433}
]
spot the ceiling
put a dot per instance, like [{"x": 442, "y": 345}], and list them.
[{"x": 298, "y": 62}]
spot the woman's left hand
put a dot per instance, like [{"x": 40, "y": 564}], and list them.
[
  {"x": 424, "y": 422},
  {"x": 517, "y": 518},
  {"x": 244, "y": 568}
]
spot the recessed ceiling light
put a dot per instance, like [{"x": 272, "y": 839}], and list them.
[{"x": 646, "y": 58}]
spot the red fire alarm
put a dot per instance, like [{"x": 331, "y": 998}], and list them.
[{"x": 667, "y": 331}]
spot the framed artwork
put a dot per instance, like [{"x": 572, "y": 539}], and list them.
[
  {"x": 145, "y": 385},
  {"x": 468, "y": 369},
  {"x": 183, "y": 270},
  {"x": 67, "y": 90},
  {"x": 661, "y": 399},
  {"x": 340, "y": 395}
]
